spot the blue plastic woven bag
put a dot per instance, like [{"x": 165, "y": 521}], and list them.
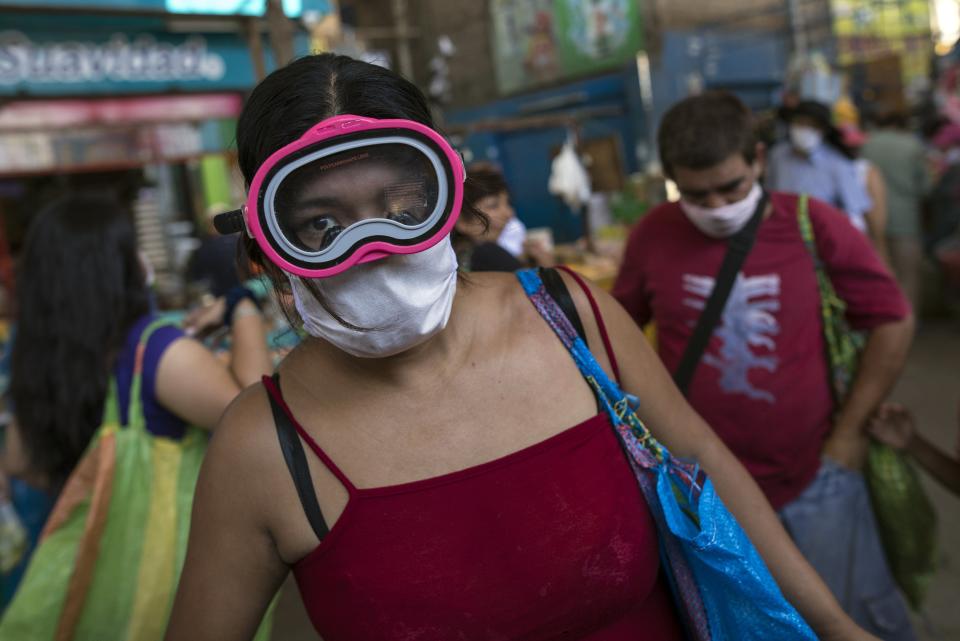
[{"x": 722, "y": 587}]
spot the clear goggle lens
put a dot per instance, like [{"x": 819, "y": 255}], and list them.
[{"x": 322, "y": 196}]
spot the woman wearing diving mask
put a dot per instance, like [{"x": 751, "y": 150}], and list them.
[{"x": 429, "y": 463}]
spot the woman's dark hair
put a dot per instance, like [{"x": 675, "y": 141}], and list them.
[
  {"x": 485, "y": 180},
  {"x": 308, "y": 90},
  {"x": 298, "y": 96},
  {"x": 703, "y": 131},
  {"x": 80, "y": 288}
]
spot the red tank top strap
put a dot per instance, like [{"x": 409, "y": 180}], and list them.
[
  {"x": 273, "y": 389},
  {"x": 599, "y": 318}
]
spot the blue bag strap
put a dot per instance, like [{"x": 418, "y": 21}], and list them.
[{"x": 618, "y": 404}]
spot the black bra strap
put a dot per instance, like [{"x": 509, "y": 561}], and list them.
[{"x": 297, "y": 464}]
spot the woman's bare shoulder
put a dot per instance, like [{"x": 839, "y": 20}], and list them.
[
  {"x": 244, "y": 448},
  {"x": 247, "y": 412},
  {"x": 497, "y": 293}
]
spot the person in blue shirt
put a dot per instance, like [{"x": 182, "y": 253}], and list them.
[{"x": 815, "y": 161}]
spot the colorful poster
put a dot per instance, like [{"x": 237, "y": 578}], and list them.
[
  {"x": 884, "y": 18},
  {"x": 868, "y": 29},
  {"x": 536, "y": 42}
]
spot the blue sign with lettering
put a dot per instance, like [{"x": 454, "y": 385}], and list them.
[{"x": 125, "y": 61}]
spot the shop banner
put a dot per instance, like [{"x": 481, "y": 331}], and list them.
[
  {"x": 46, "y": 115},
  {"x": 868, "y": 29},
  {"x": 109, "y": 148},
  {"x": 536, "y": 42},
  {"x": 104, "y": 63}
]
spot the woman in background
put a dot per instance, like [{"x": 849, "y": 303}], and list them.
[
  {"x": 85, "y": 334},
  {"x": 479, "y": 243},
  {"x": 83, "y": 304},
  {"x": 815, "y": 161}
]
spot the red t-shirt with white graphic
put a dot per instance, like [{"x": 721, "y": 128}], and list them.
[{"x": 762, "y": 382}]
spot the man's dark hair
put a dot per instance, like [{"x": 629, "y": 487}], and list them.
[{"x": 702, "y": 131}]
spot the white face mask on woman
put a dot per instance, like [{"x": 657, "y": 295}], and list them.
[
  {"x": 725, "y": 221},
  {"x": 805, "y": 139},
  {"x": 396, "y": 303}
]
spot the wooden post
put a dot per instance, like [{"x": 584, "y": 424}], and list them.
[
  {"x": 255, "y": 43},
  {"x": 404, "y": 57},
  {"x": 280, "y": 28}
]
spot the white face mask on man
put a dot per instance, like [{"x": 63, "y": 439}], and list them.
[
  {"x": 725, "y": 221},
  {"x": 394, "y": 304},
  {"x": 804, "y": 138}
]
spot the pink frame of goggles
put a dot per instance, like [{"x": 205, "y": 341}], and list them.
[{"x": 329, "y": 129}]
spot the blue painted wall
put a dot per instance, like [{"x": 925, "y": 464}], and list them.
[
  {"x": 526, "y": 155},
  {"x": 752, "y": 65}
]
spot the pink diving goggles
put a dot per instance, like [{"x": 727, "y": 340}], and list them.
[{"x": 349, "y": 191}]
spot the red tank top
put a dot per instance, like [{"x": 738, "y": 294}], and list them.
[{"x": 553, "y": 541}]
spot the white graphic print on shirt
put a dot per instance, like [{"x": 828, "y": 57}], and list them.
[{"x": 748, "y": 321}]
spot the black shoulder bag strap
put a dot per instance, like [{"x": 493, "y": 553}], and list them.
[
  {"x": 738, "y": 249},
  {"x": 558, "y": 291}
]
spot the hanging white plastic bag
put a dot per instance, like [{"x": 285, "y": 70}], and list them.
[{"x": 568, "y": 178}]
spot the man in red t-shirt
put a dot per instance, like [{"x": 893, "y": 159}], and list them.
[{"x": 762, "y": 382}]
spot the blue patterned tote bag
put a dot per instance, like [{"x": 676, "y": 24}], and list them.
[{"x": 722, "y": 587}]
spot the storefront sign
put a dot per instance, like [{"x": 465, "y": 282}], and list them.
[
  {"x": 541, "y": 41},
  {"x": 118, "y": 60}
]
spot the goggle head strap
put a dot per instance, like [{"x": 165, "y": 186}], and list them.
[{"x": 231, "y": 222}]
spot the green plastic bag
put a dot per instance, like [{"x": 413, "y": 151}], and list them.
[
  {"x": 905, "y": 517},
  {"x": 906, "y": 520},
  {"x": 110, "y": 556}
]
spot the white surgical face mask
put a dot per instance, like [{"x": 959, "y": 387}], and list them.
[
  {"x": 398, "y": 302},
  {"x": 806, "y": 139},
  {"x": 721, "y": 222},
  {"x": 512, "y": 236}
]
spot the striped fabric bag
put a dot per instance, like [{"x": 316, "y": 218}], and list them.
[{"x": 110, "y": 556}]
